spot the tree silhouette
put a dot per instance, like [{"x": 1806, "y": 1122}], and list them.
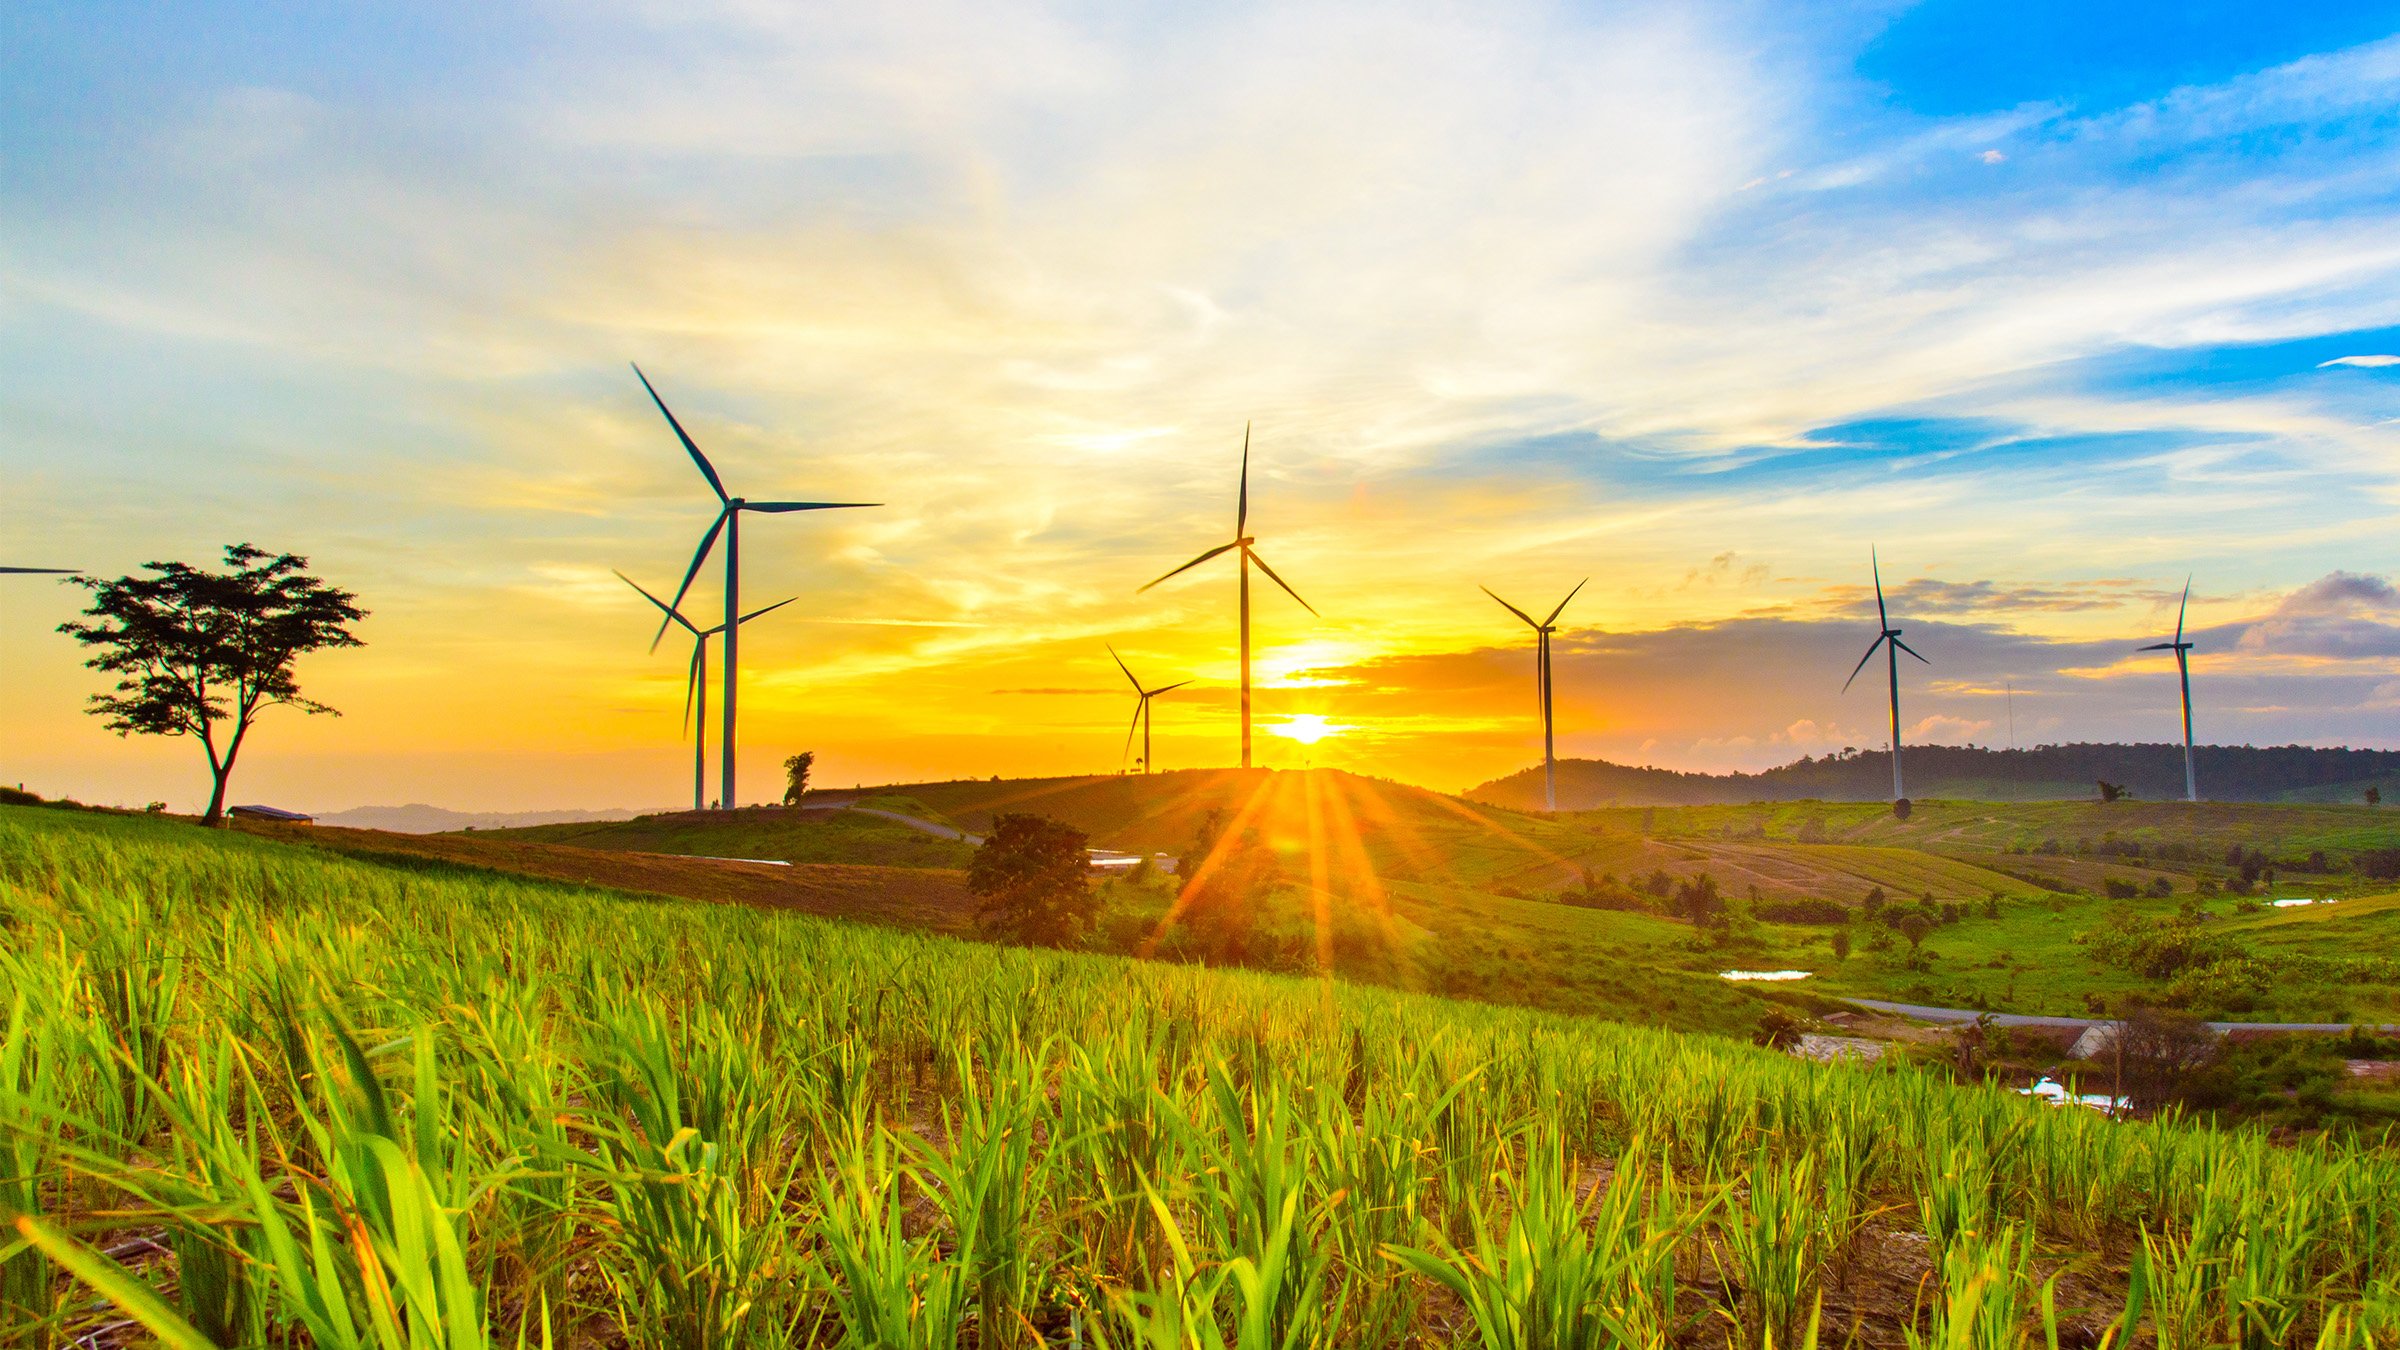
[
  {"x": 795, "y": 772},
  {"x": 1032, "y": 875},
  {"x": 200, "y": 649}
]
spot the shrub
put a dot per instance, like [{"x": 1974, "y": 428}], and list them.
[
  {"x": 1903, "y": 808},
  {"x": 1033, "y": 877},
  {"x": 1779, "y": 1028},
  {"x": 1802, "y": 911}
]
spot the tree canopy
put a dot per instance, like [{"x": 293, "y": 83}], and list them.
[
  {"x": 1033, "y": 877},
  {"x": 203, "y": 653}
]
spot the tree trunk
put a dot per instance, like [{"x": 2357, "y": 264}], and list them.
[{"x": 215, "y": 819}]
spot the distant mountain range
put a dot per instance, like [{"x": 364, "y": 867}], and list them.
[
  {"x": 2228, "y": 773},
  {"x": 418, "y": 818}
]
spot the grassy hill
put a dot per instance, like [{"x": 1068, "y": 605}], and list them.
[
  {"x": 1576, "y": 913},
  {"x": 257, "y": 1092},
  {"x": 759, "y": 832},
  {"x": 2238, "y": 773}
]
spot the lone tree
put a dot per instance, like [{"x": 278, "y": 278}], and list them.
[
  {"x": 795, "y": 772},
  {"x": 1033, "y": 876},
  {"x": 204, "y": 653}
]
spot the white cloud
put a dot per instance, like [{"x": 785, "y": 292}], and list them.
[{"x": 2368, "y": 361}]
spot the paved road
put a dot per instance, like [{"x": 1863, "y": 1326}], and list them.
[{"x": 1926, "y": 1014}]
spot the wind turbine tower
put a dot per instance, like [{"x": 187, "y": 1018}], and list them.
[
  {"x": 728, "y": 523},
  {"x": 1542, "y": 629},
  {"x": 1889, "y": 640},
  {"x": 1243, "y": 541},
  {"x": 1141, "y": 709},
  {"x": 2183, "y": 669},
  {"x": 695, "y": 682}
]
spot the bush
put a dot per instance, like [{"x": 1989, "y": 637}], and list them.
[
  {"x": 1033, "y": 877},
  {"x": 2159, "y": 1049},
  {"x": 1903, "y": 808},
  {"x": 1779, "y": 1029},
  {"x": 1802, "y": 911}
]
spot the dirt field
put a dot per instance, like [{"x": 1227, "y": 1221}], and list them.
[{"x": 903, "y": 897}]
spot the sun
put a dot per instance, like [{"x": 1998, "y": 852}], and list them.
[{"x": 1307, "y": 728}]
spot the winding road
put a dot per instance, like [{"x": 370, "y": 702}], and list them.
[{"x": 1924, "y": 1013}]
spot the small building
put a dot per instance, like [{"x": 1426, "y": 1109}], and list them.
[{"x": 275, "y": 814}]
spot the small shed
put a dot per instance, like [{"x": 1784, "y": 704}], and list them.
[{"x": 271, "y": 813}]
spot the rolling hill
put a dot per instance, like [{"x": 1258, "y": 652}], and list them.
[{"x": 2235, "y": 773}]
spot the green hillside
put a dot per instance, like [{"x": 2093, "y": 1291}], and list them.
[
  {"x": 791, "y": 836},
  {"x": 256, "y": 1093},
  {"x": 2152, "y": 772},
  {"x": 1584, "y": 912}
]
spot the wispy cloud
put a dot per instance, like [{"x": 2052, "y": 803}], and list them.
[{"x": 1659, "y": 293}]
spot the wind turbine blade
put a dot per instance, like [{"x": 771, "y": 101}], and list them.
[
  {"x": 1562, "y": 605},
  {"x": 1137, "y": 684},
  {"x": 691, "y": 683},
  {"x": 40, "y": 571},
  {"x": 1195, "y": 562},
  {"x": 780, "y": 508},
  {"x": 1512, "y": 609},
  {"x": 1241, "y": 512},
  {"x": 1882, "y": 616},
  {"x": 1862, "y": 662},
  {"x": 707, "y": 470},
  {"x": 1287, "y": 587},
  {"x": 1910, "y": 650},
  {"x": 707, "y": 542},
  {"x": 768, "y": 610},
  {"x": 2180, "y": 608},
  {"x": 1129, "y": 730},
  {"x": 1165, "y": 689},
  {"x": 663, "y": 607},
  {"x": 2158, "y": 647}
]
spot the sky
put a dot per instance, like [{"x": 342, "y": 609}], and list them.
[{"x": 2052, "y": 306}]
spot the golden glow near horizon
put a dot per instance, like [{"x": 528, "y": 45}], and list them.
[
  {"x": 1540, "y": 296},
  {"x": 1307, "y": 728}
]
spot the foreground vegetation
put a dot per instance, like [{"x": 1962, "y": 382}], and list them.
[{"x": 256, "y": 1095}]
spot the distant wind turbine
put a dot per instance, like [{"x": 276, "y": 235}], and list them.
[
  {"x": 1541, "y": 677},
  {"x": 1890, "y": 641},
  {"x": 729, "y": 523},
  {"x": 2183, "y": 668},
  {"x": 1243, "y": 541},
  {"x": 695, "y": 681},
  {"x": 1141, "y": 708}
]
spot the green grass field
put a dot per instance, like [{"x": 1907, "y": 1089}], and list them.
[
  {"x": 253, "y": 1094},
  {"x": 1432, "y": 894},
  {"x": 792, "y": 836}
]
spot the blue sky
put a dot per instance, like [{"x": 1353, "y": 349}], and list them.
[{"x": 2036, "y": 298}]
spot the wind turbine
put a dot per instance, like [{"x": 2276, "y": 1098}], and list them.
[
  {"x": 728, "y": 523},
  {"x": 1541, "y": 677},
  {"x": 1141, "y": 708},
  {"x": 695, "y": 680},
  {"x": 1243, "y": 541},
  {"x": 2183, "y": 668},
  {"x": 1890, "y": 641}
]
